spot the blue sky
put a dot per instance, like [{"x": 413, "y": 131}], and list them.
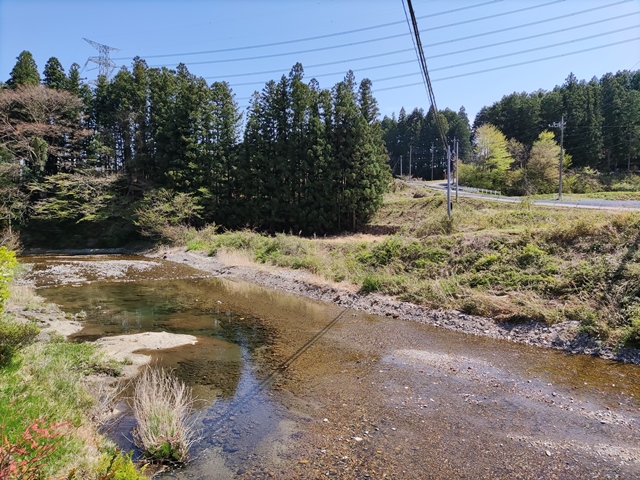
[{"x": 476, "y": 50}]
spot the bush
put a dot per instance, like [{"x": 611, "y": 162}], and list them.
[
  {"x": 13, "y": 335},
  {"x": 116, "y": 466},
  {"x": 7, "y": 268},
  {"x": 161, "y": 407},
  {"x": 161, "y": 211}
]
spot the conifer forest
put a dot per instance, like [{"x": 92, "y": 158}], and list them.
[{"x": 104, "y": 162}]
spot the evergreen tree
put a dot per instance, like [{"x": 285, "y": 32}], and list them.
[
  {"x": 25, "y": 71},
  {"x": 54, "y": 76},
  {"x": 360, "y": 156},
  {"x": 621, "y": 119},
  {"x": 582, "y": 116},
  {"x": 222, "y": 127},
  {"x": 368, "y": 104}
]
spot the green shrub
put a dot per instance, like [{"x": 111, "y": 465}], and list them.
[
  {"x": 632, "y": 335},
  {"x": 13, "y": 335},
  {"x": 487, "y": 260},
  {"x": 370, "y": 283},
  {"x": 530, "y": 255},
  {"x": 116, "y": 466},
  {"x": 162, "y": 210},
  {"x": 7, "y": 269}
]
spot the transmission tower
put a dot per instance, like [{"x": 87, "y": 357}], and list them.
[{"x": 105, "y": 64}]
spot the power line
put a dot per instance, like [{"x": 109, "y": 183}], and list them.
[
  {"x": 317, "y": 37},
  {"x": 481, "y": 60},
  {"x": 333, "y": 47},
  {"x": 504, "y": 55},
  {"x": 511, "y": 65},
  {"x": 589, "y": 24}
]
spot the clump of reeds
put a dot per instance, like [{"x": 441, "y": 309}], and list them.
[{"x": 162, "y": 405}]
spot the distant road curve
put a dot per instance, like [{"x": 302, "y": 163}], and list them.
[{"x": 582, "y": 203}]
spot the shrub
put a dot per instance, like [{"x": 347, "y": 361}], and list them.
[
  {"x": 370, "y": 283},
  {"x": 7, "y": 269},
  {"x": 116, "y": 466},
  {"x": 161, "y": 407},
  {"x": 13, "y": 335},
  {"x": 161, "y": 211}
]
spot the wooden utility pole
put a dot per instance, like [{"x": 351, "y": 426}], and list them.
[
  {"x": 449, "y": 181},
  {"x": 561, "y": 124},
  {"x": 457, "y": 164},
  {"x": 629, "y": 157},
  {"x": 432, "y": 152},
  {"x": 410, "y": 155},
  {"x": 400, "y": 165}
]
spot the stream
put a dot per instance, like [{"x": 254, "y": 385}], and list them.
[{"x": 293, "y": 388}]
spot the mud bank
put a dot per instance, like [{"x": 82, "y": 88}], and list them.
[{"x": 564, "y": 336}]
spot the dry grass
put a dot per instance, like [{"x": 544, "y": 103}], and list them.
[
  {"x": 162, "y": 407},
  {"x": 511, "y": 262},
  {"x": 235, "y": 258},
  {"x": 24, "y": 297}
]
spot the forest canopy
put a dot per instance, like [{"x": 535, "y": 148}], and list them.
[
  {"x": 97, "y": 159},
  {"x": 303, "y": 159}
]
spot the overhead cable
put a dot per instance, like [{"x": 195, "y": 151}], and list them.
[
  {"x": 466, "y": 50},
  {"x": 282, "y": 54},
  {"x": 317, "y": 37},
  {"x": 502, "y": 67},
  {"x": 480, "y": 60}
]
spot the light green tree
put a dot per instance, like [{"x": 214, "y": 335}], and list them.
[
  {"x": 542, "y": 171},
  {"x": 492, "y": 154}
]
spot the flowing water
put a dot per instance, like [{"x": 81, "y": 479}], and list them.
[{"x": 292, "y": 388}]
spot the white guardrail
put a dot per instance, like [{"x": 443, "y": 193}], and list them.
[{"x": 478, "y": 190}]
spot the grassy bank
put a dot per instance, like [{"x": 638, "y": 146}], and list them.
[
  {"x": 505, "y": 261},
  {"x": 47, "y": 406}
]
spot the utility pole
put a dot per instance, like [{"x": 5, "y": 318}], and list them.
[
  {"x": 629, "y": 156},
  {"x": 561, "y": 124},
  {"x": 432, "y": 152},
  {"x": 457, "y": 162},
  {"x": 401, "y": 165},
  {"x": 410, "y": 155},
  {"x": 449, "y": 181}
]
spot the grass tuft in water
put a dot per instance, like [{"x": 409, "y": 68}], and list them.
[{"x": 162, "y": 406}]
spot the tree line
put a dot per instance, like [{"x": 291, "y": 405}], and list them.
[
  {"x": 602, "y": 119},
  {"x": 513, "y": 145},
  {"x": 303, "y": 159}
]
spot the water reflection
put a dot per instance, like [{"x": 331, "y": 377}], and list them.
[{"x": 400, "y": 383}]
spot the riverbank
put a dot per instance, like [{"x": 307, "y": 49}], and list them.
[
  {"x": 566, "y": 336},
  {"x": 25, "y": 305}
]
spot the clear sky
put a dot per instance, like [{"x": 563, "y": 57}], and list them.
[{"x": 476, "y": 50}]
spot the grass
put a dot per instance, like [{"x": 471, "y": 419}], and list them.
[
  {"x": 161, "y": 406},
  {"x": 511, "y": 262},
  {"x": 43, "y": 384}
]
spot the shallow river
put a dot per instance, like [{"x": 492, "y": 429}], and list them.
[{"x": 292, "y": 388}]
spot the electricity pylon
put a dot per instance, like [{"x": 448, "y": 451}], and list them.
[{"x": 105, "y": 64}]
